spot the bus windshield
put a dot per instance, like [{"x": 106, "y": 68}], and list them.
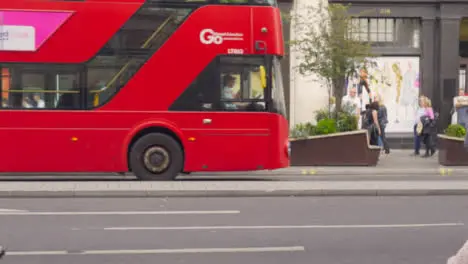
[{"x": 277, "y": 93}]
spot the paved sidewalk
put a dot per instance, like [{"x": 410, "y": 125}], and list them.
[
  {"x": 230, "y": 188},
  {"x": 398, "y": 166},
  {"x": 397, "y": 163}
]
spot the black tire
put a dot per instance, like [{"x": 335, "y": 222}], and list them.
[{"x": 164, "y": 148}]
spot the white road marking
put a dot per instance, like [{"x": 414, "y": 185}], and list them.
[
  {"x": 11, "y": 210},
  {"x": 159, "y": 251},
  {"x": 282, "y": 227},
  {"x": 35, "y": 253},
  {"x": 14, "y": 213}
]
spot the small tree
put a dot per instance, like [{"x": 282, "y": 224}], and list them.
[{"x": 329, "y": 46}]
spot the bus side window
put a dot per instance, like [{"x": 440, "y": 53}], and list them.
[{"x": 201, "y": 95}]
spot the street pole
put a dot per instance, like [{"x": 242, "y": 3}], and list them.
[{"x": 2, "y": 252}]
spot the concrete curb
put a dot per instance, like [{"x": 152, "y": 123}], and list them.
[
  {"x": 291, "y": 171},
  {"x": 229, "y": 189},
  {"x": 348, "y": 171},
  {"x": 240, "y": 193}
]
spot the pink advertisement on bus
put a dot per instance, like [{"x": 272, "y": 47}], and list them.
[{"x": 28, "y": 30}]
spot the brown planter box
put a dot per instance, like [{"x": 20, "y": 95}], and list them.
[
  {"x": 452, "y": 151},
  {"x": 339, "y": 149}
]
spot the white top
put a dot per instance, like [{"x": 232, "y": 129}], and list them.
[
  {"x": 419, "y": 113},
  {"x": 463, "y": 100},
  {"x": 40, "y": 104},
  {"x": 228, "y": 93},
  {"x": 355, "y": 102}
]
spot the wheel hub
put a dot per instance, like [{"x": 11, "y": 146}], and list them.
[{"x": 156, "y": 159}]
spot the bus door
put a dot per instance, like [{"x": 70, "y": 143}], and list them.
[{"x": 236, "y": 130}]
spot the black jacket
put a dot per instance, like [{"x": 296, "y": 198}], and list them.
[{"x": 429, "y": 125}]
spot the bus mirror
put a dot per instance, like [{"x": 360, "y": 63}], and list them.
[{"x": 263, "y": 78}]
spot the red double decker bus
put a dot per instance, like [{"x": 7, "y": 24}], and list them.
[{"x": 155, "y": 87}]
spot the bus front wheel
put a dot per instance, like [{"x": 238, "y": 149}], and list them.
[{"x": 156, "y": 157}]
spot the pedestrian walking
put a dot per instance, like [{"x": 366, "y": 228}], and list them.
[
  {"x": 383, "y": 121},
  {"x": 372, "y": 123},
  {"x": 427, "y": 129},
  {"x": 426, "y": 112}
]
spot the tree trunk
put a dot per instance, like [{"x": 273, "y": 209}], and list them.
[{"x": 338, "y": 89}]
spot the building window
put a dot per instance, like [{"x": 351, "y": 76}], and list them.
[{"x": 388, "y": 32}]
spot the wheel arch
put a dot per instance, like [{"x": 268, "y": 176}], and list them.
[{"x": 152, "y": 127}]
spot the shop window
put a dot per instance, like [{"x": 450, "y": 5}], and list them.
[{"x": 40, "y": 87}]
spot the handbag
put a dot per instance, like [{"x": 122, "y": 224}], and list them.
[
  {"x": 419, "y": 128},
  {"x": 373, "y": 131}
]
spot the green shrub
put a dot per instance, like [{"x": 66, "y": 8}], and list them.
[
  {"x": 326, "y": 123},
  {"x": 325, "y": 126},
  {"x": 346, "y": 119},
  {"x": 455, "y": 130},
  {"x": 303, "y": 130},
  {"x": 346, "y": 122},
  {"x": 349, "y": 108},
  {"x": 322, "y": 114}
]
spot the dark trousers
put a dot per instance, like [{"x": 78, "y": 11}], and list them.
[
  {"x": 428, "y": 140},
  {"x": 417, "y": 141},
  {"x": 384, "y": 138}
]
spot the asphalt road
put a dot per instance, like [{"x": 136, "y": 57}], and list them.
[{"x": 351, "y": 230}]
